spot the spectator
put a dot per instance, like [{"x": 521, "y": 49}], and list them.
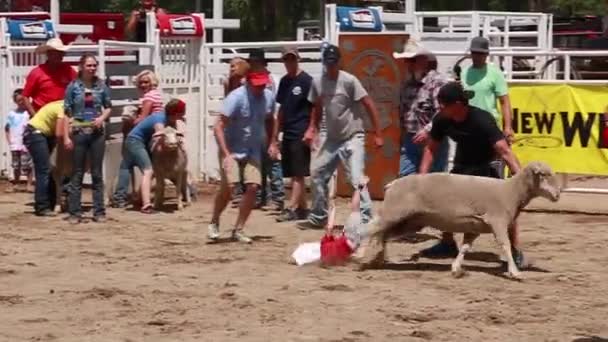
[
  {"x": 21, "y": 161},
  {"x": 418, "y": 105},
  {"x": 488, "y": 83},
  {"x": 136, "y": 25},
  {"x": 271, "y": 168},
  {"x": 240, "y": 137},
  {"x": 293, "y": 120},
  {"x": 49, "y": 124},
  {"x": 336, "y": 94},
  {"x": 47, "y": 82},
  {"x": 136, "y": 153},
  {"x": 236, "y": 77},
  {"x": 478, "y": 140},
  {"x": 87, "y": 102}
]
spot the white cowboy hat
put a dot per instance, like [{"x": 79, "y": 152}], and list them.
[
  {"x": 413, "y": 48},
  {"x": 52, "y": 44}
]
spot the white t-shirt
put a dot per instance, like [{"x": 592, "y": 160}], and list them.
[{"x": 15, "y": 124}]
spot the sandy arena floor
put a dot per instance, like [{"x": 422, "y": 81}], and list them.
[{"x": 154, "y": 278}]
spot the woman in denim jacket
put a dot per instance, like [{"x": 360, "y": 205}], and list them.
[{"x": 87, "y": 102}]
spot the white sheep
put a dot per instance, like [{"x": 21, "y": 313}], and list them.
[
  {"x": 170, "y": 162},
  {"x": 458, "y": 204}
]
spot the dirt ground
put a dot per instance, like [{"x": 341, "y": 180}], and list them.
[{"x": 154, "y": 278}]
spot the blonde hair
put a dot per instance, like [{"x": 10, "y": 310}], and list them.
[
  {"x": 150, "y": 74},
  {"x": 242, "y": 67}
]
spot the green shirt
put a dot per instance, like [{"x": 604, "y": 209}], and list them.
[{"x": 488, "y": 83}]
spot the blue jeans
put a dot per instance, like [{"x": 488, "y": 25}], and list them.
[
  {"x": 351, "y": 153},
  {"x": 275, "y": 189},
  {"x": 92, "y": 145},
  {"x": 40, "y": 148},
  {"x": 411, "y": 156},
  {"x": 135, "y": 154}
]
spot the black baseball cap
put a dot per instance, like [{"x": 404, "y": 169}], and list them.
[
  {"x": 453, "y": 92},
  {"x": 480, "y": 45},
  {"x": 257, "y": 55},
  {"x": 331, "y": 55}
]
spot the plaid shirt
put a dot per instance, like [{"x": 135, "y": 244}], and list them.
[{"x": 418, "y": 101}]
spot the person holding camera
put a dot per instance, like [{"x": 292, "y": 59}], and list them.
[{"x": 136, "y": 25}]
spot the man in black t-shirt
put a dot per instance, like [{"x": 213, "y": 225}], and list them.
[
  {"x": 478, "y": 140},
  {"x": 294, "y": 117}
]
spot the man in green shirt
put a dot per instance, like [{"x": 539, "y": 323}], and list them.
[
  {"x": 490, "y": 88},
  {"x": 489, "y": 85}
]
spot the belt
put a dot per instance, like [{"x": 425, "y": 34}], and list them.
[{"x": 33, "y": 130}]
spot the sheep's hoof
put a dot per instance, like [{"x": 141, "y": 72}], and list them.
[
  {"x": 458, "y": 273},
  {"x": 516, "y": 276},
  {"x": 180, "y": 207},
  {"x": 370, "y": 265}
]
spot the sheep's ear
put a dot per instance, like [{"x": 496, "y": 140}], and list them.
[{"x": 536, "y": 168}]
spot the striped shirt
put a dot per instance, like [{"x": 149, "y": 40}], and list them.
[
  {"x": 418, "y": 101},
  {"x": 156, "y": 97}
]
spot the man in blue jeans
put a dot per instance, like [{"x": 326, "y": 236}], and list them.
[
  {"x": 417, "y": 107},
  {"x": 337, "y": 94}
]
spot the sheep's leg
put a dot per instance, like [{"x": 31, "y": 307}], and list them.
[
  {"x": 186, "y": 188},
  {"x": 467, "y": 243},
  {"x": 159, "y": 193},
  {"x": 374, "y": 252},
  {"x": 178, "y": 187},
  {"x": 502, "y": 237}
]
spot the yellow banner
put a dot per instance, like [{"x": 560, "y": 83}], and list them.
[{"x": 562, "y": 125}]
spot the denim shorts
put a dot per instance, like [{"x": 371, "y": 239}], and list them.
[{"x": 137, "y": 153}]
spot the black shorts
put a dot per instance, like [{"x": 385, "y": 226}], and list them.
[
  {"x": 481, "y": 171},
  {"x": 295, "y": 158}
]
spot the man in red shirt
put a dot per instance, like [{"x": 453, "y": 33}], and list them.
[{"x": 47, "y": 82}]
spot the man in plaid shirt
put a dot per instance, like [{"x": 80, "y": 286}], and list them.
[{"x": 417, "y": 107}]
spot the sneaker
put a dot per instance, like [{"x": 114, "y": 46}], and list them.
[
  {"x": 46, "y": 213},
  {"x": 306, "y": 225},
  {"x": 277, "y": 206},
  {"x": 239, "y": 236},
  {"x": 287, "y": 215},
  {"x": 302, "y": 214},
  {"x": 74, "y": 219},
  {"x": 213, "y": 231},
  {"x": 441, "y": 250},
  {"x": 100, "y": 218},
  {"x": 118, "y": 205}
]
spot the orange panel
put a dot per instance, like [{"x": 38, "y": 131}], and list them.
[{"x": 370, "y": 58}]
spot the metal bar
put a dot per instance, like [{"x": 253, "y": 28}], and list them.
[
  {"x": 243, "y": 45},
  {"x": 601, "y": 82},
  {"x": 575, "y": 53},
  {"x": 481, "y": 13},
  {"x": 517, "y": 34},
  {"x": 567, "y": 67},
  {"x": 586, "y": 191}
]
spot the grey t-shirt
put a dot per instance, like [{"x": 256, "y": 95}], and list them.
[{"x": 341, "y": 110}]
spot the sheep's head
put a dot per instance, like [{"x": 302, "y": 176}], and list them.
[
  {"x": 171, "y": 138},
  {"x": 542, "y": 181}
]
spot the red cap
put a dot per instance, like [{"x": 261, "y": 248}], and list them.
[
  {"x": 258, "y": 78},
  {"x": 175, "y": 107}
]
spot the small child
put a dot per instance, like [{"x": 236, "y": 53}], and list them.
[{"x": 21, "y": 161}]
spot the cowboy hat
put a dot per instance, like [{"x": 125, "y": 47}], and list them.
[
  {"x": 411, "y": 49},
  {"x": 52, "y": 44}
]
